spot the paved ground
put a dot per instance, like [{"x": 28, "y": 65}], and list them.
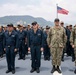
[{"x": 23, "y": 67}]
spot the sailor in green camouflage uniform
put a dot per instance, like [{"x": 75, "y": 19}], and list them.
[
  {"x": 56, "y": 41},
  {"x": 73, "y": 43}
]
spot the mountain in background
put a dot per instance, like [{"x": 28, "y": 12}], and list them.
[{"x": 24, "y": 20}]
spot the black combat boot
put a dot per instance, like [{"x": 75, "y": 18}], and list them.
[
  {"x": 8, "y": 71},
  {"x": 13, "y": 71},
  {"x": 58, "y": 69},
  {"x": 24, "y": 58},
  {"x": 19, "y": 58},
  {"x": 75, "y": 71},
  {"x": 73, "y": 59},
  {"x": 37, "y": 70},
  {"x": 49, "y": 59},
  {"x": 53, "y": 69},
  {"x": 32, "y": 70},
  {"x": 62, "y": 59}
]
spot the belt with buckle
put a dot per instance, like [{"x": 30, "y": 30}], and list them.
[{"x": 8, "y": 46}]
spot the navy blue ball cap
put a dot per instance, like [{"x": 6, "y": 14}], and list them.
[
  {"x": 34, "y": 23},
  {"x": 10, "y": 25},
  {"x": 56, "y": 20}
]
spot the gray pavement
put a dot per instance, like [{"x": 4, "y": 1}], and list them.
[{"x": 23, "y": 67}]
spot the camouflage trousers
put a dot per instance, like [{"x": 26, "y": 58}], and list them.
[{"x": 56, "y": 54}]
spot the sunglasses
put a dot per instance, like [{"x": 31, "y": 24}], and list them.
[
  {"x": 56, "y": 21},
  {"x": 34, "y": 25}
]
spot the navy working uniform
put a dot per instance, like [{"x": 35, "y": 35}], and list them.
[
  {"x": 46, "y": 48},
  {"x": 10, "y": 44},
  {"x": 64, "y": 50},
  {"x": 35, "y": 43},
  {"x": 26, "y": 45},
  {"x": 1, "y": 43},
  {"x": 22, "y": 48},
  {"x": 70, "y": 50}
]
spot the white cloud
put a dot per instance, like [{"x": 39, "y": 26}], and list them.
[{"x": 46, "y": 9}]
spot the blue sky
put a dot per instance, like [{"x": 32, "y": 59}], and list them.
[{"x": 39, "y": 8}]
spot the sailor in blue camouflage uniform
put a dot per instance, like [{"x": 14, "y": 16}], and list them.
[
  {"x": 35, "y": 44},
  {"x": 46, "y": 48},
  {"x": 10, "y": 46},
  {"x": 22, "y": 37},
  {"x": 1, "y": 42}
]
